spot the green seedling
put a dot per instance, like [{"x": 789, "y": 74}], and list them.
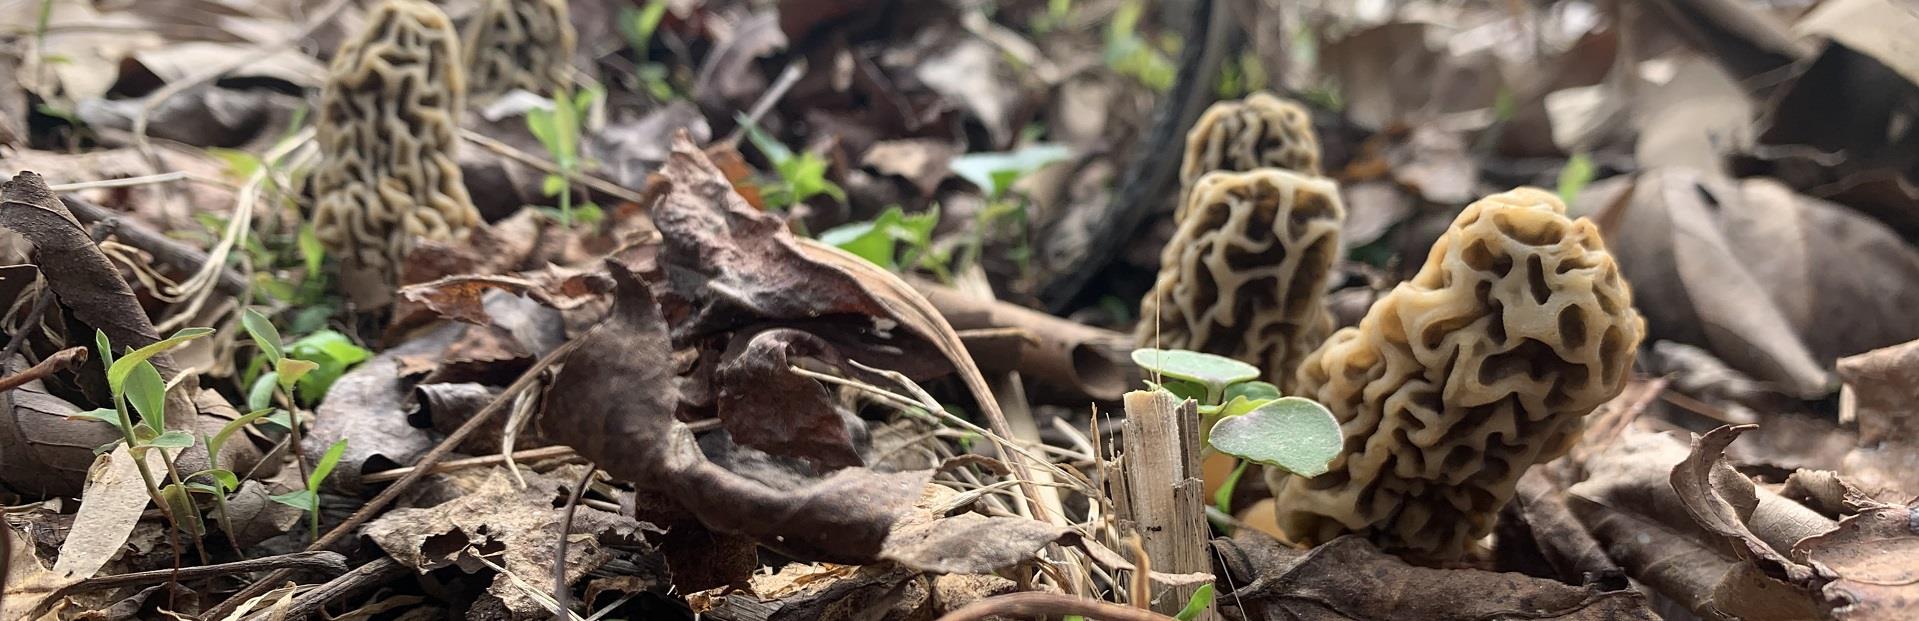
[
  {"x": 802, "y": 175},
  {"x": 878, "y": 240},
  {"x": 135, "y": 385},
  {"x": 287, "y": 371},
  {"x": 1246, "y": 418},
  {"x": 558, "y": 129},
  {"x": 308, "y": 498}
]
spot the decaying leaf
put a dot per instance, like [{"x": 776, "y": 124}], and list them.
[
  {"x": 1347, "y": 578},
  {"x": 114, "y": 499},
  {"x": 614, "y": 400},
  {"x": 515, "y": 528},
  {"x": 367, "y": 407},
  {"x": 1880, "y": 389},
  {"x": 765, "y": 405},
  {"x": 1722, "y": 500},
  {"x": 1871, "y": 557}
]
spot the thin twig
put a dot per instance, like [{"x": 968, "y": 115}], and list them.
[
  {"x": 40, "y": 307},
  {"x": 545, "y": 452},
  {"x": 1035, "y": 605},
  {"x": 165, "y": 250},
  {"x": 507, "y": 150},
  {"x": 788, "y": 77},
  {"x": 331, "y": 562},
  {"x": 124, "y": 182},
  {"x": 561, "y": 594},
  {"x": 60, "y": 361},
  {"x": 421, "y": 468},
  {"x": 373, "y": 574}
]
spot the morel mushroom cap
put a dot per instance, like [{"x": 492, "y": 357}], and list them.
[
  {"x": 387, "y": 137},
  {"x": 1260, "y": 131},
  {"x": 524, "y": 44},
  {"x": 1482, "y": 365},
  {"x": 1245, "y": 275}
]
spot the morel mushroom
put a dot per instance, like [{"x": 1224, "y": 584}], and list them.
[
  {"x": 386, "y": 131},
  {"x": 1482, "y": 365},
  {"x": 1261, "y": 131},
  {"x": 1245, "y": 275},
  {"x": 524, "y": 44}
]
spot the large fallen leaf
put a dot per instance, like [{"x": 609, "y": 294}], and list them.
[
  {"x": 1347, "y": 578},
  {"x": 514, "y": 527},
  {"x": 1722, "y": 500},
  {"x": 1881, "y": 388},
  {"x": 763, "y": 404},
  {"x": 114, "y": 499},
  {"x": 1871, "y": 557},
  {"x": 613, "y": 401},
  {"x": 42, "y": 451}
]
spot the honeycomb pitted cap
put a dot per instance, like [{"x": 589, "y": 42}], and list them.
[
  {"x": 523, "y": 44},
  {"x": 1485, "y": 363},
  {"x": 1260, "y": 131},
  {"x": 1245, "y": 275},
  {"x": 388, "y": 134}
]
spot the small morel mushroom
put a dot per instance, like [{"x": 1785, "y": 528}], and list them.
[
  {"x": 1245, "y": 275},
  {"x": 386, "y": 131},
  {"x": 1482, "y": 365},
  {"x": 1260, "y": 131},
  {"x": 524, "y": 44}
]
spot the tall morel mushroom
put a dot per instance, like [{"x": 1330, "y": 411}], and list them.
[
  {"x": 1260, "y": 131},
  {"x": 1482, "y": 365},
  {"x": 387, "y": 136},
  {"x": 1245, "y": 275},
  {"x": 524, "y": 44}
]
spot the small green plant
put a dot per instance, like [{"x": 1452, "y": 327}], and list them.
[
  {"x": 878, "y": 240},
  {"x": 638, "y": 26},
  {"x": 802, "y": 175},
  {"x": 1579, "y": 172},
  {"x": 1129, "y": 54},
  {"x": 558, "y": 128},
  {"x": 286, "y": 373},
  {"x": 1006, "y": 213},
  {"x": 136, "y": 386},
  {"x": 1201, "y": 600},
  {"x": 1244, "y": 417}
]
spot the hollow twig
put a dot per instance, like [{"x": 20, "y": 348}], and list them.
[
  {"x": 562, "y": 594},
  {"x": 420, "y": 471},
  {"x": 60, "y": 361},
  {"x": 1036, "y": 605},
  {"x": 331, "y": 562}
]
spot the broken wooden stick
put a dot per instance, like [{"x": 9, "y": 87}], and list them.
[{"x": 1158, "y": 491}]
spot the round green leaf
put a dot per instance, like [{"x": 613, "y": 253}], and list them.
[
  {"x": 1295, "y": 434},
  {"x": 1252, "y": 391},
  {"x": 1214, "y": 372}
]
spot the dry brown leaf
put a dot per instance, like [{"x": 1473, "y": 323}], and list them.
[
  {"x": 1871, "y": 556},
  {"x": 1723, "y": 501},
  {"x": 515, "y": 527},
  {"x": 367, "y": 407},
  {"x": 114, "y": 499},
  {"x": 1347, "y": 578}
]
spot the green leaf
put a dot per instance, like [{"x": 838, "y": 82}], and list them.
[
  {"x": 994, "y": 173},
  {"x": 106, "y": 415},
  {"x": 878, "y": 239},
  {"x": 172, "y": 440},
  {"x": 1239, "y": 404},
  {"x": 117, "y": 373},
  {"x": 219, "y": 439},
  {"x": 298, "y": 499},
  {"x": 1186, "y": 390},
  {"x": 1255, "y": 391},
  {"x": 775, "y": 152},
  {"x": 106, "y": 348},
  {"x": 638, "y": 25},
  {"x": 311, "y": 250},
  {"x": 263, "y": 333},
  {"x": 327, "y": 462},
  {"x": 260, "y": 395},
  {"x": 292, "y": 369},
  {"x": 1202, "y": 598},
  {"x": 540, "y": 122},
  {"x": 147, "y": 392},
  {"x": 240, "y": 164},
  {"x": 334, "y": 352},
  {"x": 1297, "y": 435},
  {"x": 1223, "y": 497},
  {"x": 203, "y": 488},
  {"x": 552, "y": 185},
  {"x": 1573, "y": 178},
  {"x": 185, "y": 513},
  {"x": 1214, "y": 372}
]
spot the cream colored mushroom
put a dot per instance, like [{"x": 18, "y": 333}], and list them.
[
  {"x": 1484, "y": 364},
  {"x": 523, "y": 44},
  {"x": 1260, "y": 131},
  {"x": 387, "y": 134},
  {"x": 1245, "y": 275}
]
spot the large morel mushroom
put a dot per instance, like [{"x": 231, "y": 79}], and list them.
[
  {"x": 1484, "y": 364},
  {"x": 523, "y": 44},
  {"x": 1245, "y": 275},
  {"x": 387, "y": 131}
]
